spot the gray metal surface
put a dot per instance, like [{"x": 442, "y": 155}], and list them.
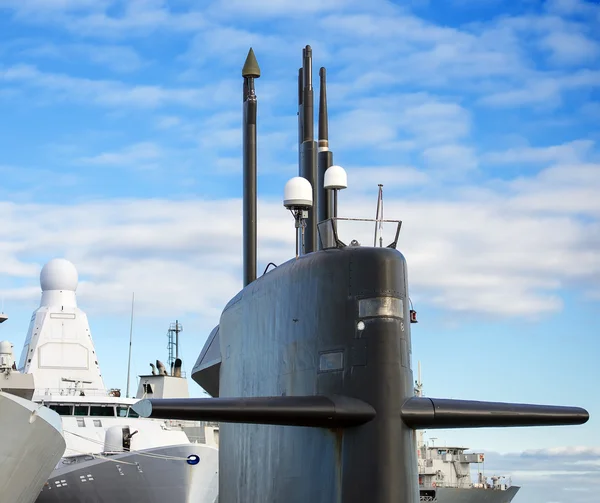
[
  {"x": 308, "y": 148},
  {"x": 137, "y": 477},
  {"x": 250, "y": 71},
  {"x": 208, "y": 365},
  {"x": 324, "y": 156},
  {"x": 274, "y": 335}
]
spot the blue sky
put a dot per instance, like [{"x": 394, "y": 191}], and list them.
[{"x": 120, "y": 149}]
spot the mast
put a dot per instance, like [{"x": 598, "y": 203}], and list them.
[
  {"x": 308, "y": 147},
  {"x": 130, "y": 338},
  {"x": 379, "y": 217},
  {"x": 325, "y": 208},
  {"x": 250, "y": 71}
]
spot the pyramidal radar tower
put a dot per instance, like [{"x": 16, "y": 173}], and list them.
[{"x": 59, "y": 350}]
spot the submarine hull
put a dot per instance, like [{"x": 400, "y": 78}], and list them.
[{"x": 333, "y": 322}]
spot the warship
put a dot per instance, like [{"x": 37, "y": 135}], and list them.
[
  {"x": 310, "y": 366},
  {"x": 445, "y": 472},
  {"x": 111, "y": 455},
  {"x": 31, "y": 436}
]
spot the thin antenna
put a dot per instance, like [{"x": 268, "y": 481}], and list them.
[
  {"x": 378, "y": 218},
  {"x": 130, "y": 338}
]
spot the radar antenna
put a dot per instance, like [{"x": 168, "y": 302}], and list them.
[
  {"x": 173, "y": 337},
  {"x": 298, "y": 199}
]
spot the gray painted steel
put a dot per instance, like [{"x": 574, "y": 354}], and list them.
[
  {"x": 451, "y": 495},
  {"x": 272, "y": 337},
  {"x": 308, "y": 148},
  {"x": 208, "y": 366},
  {"x": 136, "y": 477},
  {"x": 250, "y": 71},
  {"x": 325, "y": 156}
]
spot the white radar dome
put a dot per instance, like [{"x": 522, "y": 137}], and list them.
[
  {"x": 336, "y": 178},
  {"x": 5, "y": 348},
  {"x": 59, "y": 274},
  {"x": 297, "y": 193}
]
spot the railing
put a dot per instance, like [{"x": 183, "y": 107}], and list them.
[
  {"x": 364, "y": 231},
  {"x": 42, "y": 392},
  {"x": 189, "y": 422},
  {"x": 453, "y": 485}
]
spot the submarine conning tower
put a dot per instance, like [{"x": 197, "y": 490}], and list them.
[{"x": 310, "y": 366}]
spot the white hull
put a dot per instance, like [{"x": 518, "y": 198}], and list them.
[{"x": 31, "y": 444}]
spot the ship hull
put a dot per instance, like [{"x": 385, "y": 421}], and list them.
[
  {"x": 146, "y": 476},
  {"x": 31, "y": 443},
  {"x": 473, "y": 495}
]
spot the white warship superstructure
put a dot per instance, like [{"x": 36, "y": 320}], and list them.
[
  {"x": 31, "y": 438},
  {"x": 111, "y": 454},
  {"x": 445, "y": 472}
]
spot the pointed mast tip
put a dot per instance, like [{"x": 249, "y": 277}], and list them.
[{"x": 251, "y": 68}]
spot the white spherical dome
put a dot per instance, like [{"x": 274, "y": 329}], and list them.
[
  {"x": 336, "y": 178},
  {"x": 59, "y": 274},
  {"x": 5, "y": 348},
  {"x": 297, "y": 193}
]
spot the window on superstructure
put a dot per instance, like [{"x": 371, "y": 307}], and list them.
[
  {"x": 102, "y": 410},
  {"x": 121, "y": 411},
  {"x": 81, "y": 422},
  {"x": 82, "y": 410},
  {"x": 97, "y": 423},
  {"x": 62, "y": 410},
  {"x": 133, "y": 413}
]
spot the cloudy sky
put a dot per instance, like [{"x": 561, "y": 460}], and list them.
[{"x": 120, "y": 149}]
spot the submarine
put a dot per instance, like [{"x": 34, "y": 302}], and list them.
[{"x": 309, "y": 369}]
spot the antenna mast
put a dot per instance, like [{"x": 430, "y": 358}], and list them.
[
  {"x": 174, "y": 330},
  {"x": 308, "y": 146},
  {"x": 250, "y": 71},
  {"x": 130, "y": 338},
  {"x": 378, "y": 218}
]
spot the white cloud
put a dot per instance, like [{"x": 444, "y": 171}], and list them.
[
  {"x": 114, "y": 93},
  {"x": 570, "y": 48},
  {"x": 91, "y": 18},
  {"x": 574, "y": 151},
  {"x": 118, "y": 58},
  {"x": 499, "y": 254},
  {"x": 367, "y": 177},
  {"x": 167, "y": 122},
  {"x": 563, "y": 475},
  {"x": 399, "y": 121},
  {"x": 574, "y": 7},
  {"x": 543, "y": 89},
  {"x": 450, "y": 160},
  {"x": 272, "y": 8},
  {"x": 131, "y": 156}
]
